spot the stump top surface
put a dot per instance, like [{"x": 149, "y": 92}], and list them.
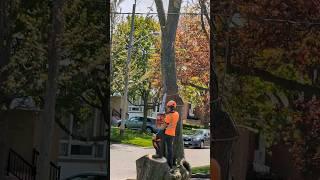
[{"x": 160, "y": 160}]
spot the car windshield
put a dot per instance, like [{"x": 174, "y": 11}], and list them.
[
  {"x": 194, "y": 132},
  {"x": 87, "y": 177}
]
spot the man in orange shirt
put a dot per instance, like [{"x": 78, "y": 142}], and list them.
[{"x": 171, "y": 121}]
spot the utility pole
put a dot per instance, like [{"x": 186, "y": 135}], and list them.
[{"x": 126, "y": 78}]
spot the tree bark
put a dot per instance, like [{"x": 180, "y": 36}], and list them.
[
  {"x": 5, "y": 45},
  {"x": 3, "y": 144},
  {"x": 169, "y": 26},
  {"x": 145, "y": 110},
  {"x": 48, "y": 114},
  {"x": 148, "y": 168},
  {"x": 106, "y": 116},
  {"x": 126, "y": 78},
  {"x": 158, "y": 169}
]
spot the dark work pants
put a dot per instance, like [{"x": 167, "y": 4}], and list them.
[
  {"x": 158, "y": 143},
  {"x": 168, "y": 141}
]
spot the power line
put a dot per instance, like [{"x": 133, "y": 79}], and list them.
[
  {"x": 276, "y": 20},
  {"x": 194, "y": 14},
  {"x": 287, "y": 21}
]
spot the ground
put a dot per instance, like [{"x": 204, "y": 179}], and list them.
[{"x": 123, "y": 159}]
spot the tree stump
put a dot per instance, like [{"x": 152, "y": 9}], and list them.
[{"x": 158, "y": 169}]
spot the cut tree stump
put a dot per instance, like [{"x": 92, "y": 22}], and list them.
[
  {"x": 149, "y": 168},
  {"x": 157, "y": 169}
]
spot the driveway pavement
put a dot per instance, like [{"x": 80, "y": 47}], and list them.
[{"x": 123, "y": 159}]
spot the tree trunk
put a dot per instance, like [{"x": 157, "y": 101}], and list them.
[
  {"x": 223, "y": 131},
  {"x": 168, "y": 64},
  {"x": 106, "y": 116},
  {"x": 3, "y": 144},
  {"x": 108, "y": 68},
  {"x": 126, "y": 78},
  {"x": 155, "y": 169},
  {"x": 5, "y": 45},
  {"x": 48, "y": 114},
  {"x": 145, "y": 110},
  {"x": 158, "y": 169}
]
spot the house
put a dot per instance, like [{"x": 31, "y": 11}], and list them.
[
  {"x": 190, "y": 114},
  {"x": 135, "y": 107},
  {"x": 21, "y": 130},
  {"x": 76, "y": 156}
]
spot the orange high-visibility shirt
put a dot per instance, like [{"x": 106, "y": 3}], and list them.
[{"x": 171, "y": 119}]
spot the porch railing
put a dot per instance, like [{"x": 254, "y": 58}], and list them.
[{"x": 19, "y": 167}]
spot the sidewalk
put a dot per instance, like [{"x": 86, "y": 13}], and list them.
[{"x": 123, "y": 159}]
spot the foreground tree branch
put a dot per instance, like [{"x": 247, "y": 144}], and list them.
[
  {"x": 269, "y": 77},
  {"x": 195, "y": 86}
]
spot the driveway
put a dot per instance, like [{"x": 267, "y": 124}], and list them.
[{"x": 123, "y": 159}]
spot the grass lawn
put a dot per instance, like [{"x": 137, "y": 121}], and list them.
[
  {"x": 135, "y": 137},
  {"x": 132, "y": 137},
  {"x": 201, "y": 169}
]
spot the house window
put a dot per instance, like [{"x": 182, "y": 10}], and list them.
[
  {"x": 81, "y": 150},
  {"x": 74, "y": 149},
  {"x": 63, "y": 149},
  {"x": 99, "y": 150},
  {"x": 135, "y": 109}
]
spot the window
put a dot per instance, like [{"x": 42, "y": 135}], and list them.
[
  {"x": 99, "y": 150},
  {"x": 141, "y": 119},
  {"x": 63, "y": 149},
  {"x": 135, "y": 109},
  {"x": 134, "y": 119},
  {"x": 81, "y": 150}
]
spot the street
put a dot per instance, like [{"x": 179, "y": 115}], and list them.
[{"x": 123, "y": 159}]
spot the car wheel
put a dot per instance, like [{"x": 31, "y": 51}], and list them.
[
  {"x": 149, "y": 130},
  {"x": 201, "y": 145}
]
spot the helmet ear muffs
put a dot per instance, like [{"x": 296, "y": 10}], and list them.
[{"x": 172, "y": 104}]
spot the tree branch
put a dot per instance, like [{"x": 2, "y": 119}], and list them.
[
  {"x": 195, "y": 86},
  {"x": 161, "y": 13},
  {"x": 173, "y": 18},
  {"x": 269, "y": 77},
  {"x": 202, "y": 7},
  {"x": 89, "y": 103}
]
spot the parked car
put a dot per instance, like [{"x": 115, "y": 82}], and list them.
[
  {"x": 197, "y": 138},
  {"x": 88, "y": 176},
  {"x": 137, "y": 122}
]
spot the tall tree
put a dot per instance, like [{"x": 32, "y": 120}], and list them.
[
  {"x": 143, "y": 49},
  {"x": 4, "y": 58},
  {"x": 192, "y": 48},
  {"x": 169, "y": 24},
  {"x": 48, "y": 114}
]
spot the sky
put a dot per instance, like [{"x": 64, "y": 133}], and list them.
[{"x": 143, "y": 5}]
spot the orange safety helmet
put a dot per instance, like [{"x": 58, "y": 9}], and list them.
[{"x": 172, "y": 104}]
